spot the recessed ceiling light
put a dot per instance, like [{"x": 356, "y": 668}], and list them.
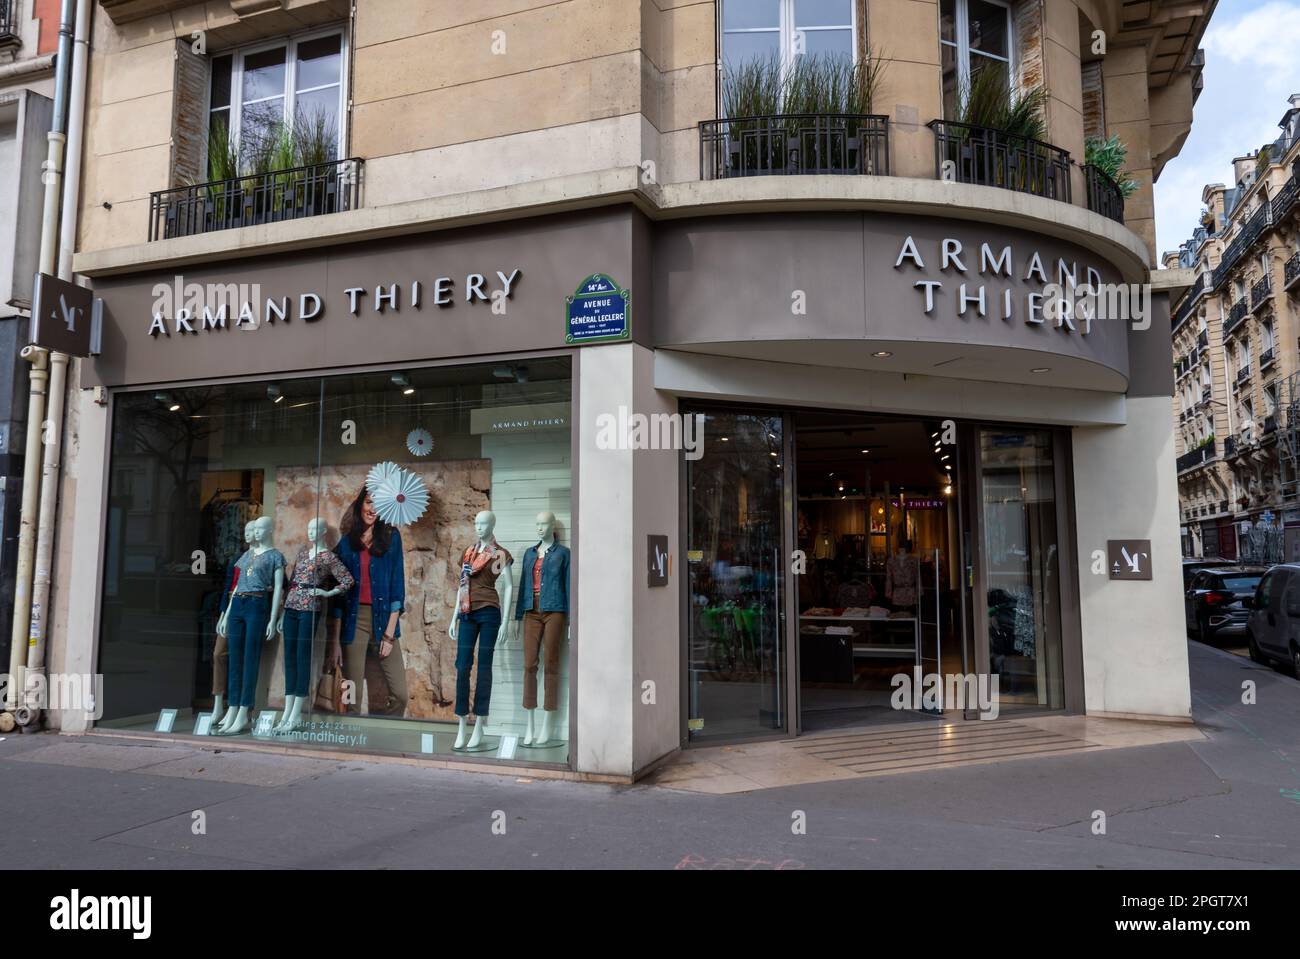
[
  {"x": 866, "y": 451},
  {"x": 724, "y": 439},
  {"x": 882, "y": 354},
  {"x": 1041, "y": 369}
]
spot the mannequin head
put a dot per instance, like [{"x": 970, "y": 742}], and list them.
[
  {"x": 262, "y": 530},
  {"x": 545, "y": 525},
  {"x": 248, "y": 532},
  {"x": 484, "y": 523},
  {"x": 361, "y": 516},
  {"x": 316, "y": 530}
]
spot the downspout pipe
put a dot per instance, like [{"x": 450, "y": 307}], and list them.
[{"x": 44, "y": 427}]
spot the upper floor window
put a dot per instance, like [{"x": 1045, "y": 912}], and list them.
[
  {"x": 278, "y": 105},
  {"x": 785, "y": 29},
  {"x": 973, "y": 35}
]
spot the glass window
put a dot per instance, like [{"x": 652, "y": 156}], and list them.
[
  {"x": 777, "y": 32},
  {"x": 973, "y": 35},
  {"x": 283, "y": 105},
  {"x": 241, "y": 516}
]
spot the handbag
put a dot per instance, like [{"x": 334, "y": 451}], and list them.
[{"x": 329, "y": 691}]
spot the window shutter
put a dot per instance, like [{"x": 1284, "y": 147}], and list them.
[{"x": 189, "y": 116}]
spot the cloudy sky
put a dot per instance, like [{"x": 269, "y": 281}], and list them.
[{"x": 1252, "y": 64}]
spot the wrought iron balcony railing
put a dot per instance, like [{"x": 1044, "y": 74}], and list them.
[
  {"x": 1229, "y": 448},
  {"x": 1235, "y": 316},
  {"x": 256, "y": 199},
  {"x": 1266, "y": 357},
  {"x": 1206, "y": 395},
  {"x": 980, "y": 155},
  {"x": 1243, "y": 374},
  {"x": 795, "y": 144},
  {"x": 1270, "y": 424},
  {"x": 1199, "y": 286},
  {"x": 1250, "y": 231},
  {"x": 8, "y": 23},
  {"x": 1286, "y": 199},
  {"x": 1203, "y": 339},
  {"x": 1291, "y": 272},
  {"x": 1104, "y": 194},
  {"x": 1260, "y": 291},
  {"x": 1193, "y": 459}
]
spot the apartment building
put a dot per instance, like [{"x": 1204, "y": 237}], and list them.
[
  {"x": 696, "y": 401},
  {"x": 1236, "y": 336}
]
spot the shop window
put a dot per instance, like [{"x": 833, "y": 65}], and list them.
[
  {"x": 973, "y": 35},
  {"x": 431, "y": 480},
  {"x": 278, "y": 105},
  {"x": 780, "y": 31}
]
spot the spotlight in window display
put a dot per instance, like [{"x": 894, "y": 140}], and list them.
[
  {"x": 379, "y": 474},
  {"x": 401, "y": 499},
  {"x": 419, "y": 441}
]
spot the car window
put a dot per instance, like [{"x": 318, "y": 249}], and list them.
[
  {"x": 1242, "y": 584},
  {"x": 1263, "y": 590},
  {"x": 1199, "y": 580},
  {"x": 1277, "y": 583}
]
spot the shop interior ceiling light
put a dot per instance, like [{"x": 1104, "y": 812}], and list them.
[
  {"x": 379, "y": 474},
  {"x": 419, "y": 441},
  {"x": 400, "y": 499}
]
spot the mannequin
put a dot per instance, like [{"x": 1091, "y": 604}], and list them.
[
  {"x": 901, "y": 578},
  {"x": 250, "y": 620},
  {"x": 543, "y": 611},
  {"x": 302, "y": 609},
  {"x": 220, "y": 651},
  {"x": 477, "y": 618}
]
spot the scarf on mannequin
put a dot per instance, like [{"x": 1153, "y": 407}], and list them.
[{"x": 472, "y": 563}]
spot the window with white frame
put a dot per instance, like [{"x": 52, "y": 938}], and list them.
[
  {"x": 786, "y": 29},
  {"x": 280, "y": 103},
  {"x": 1266, "y": 337},
  {"x": 973, "y": 35}
]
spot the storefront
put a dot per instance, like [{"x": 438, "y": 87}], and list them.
[{"x": 730, "y": 428}]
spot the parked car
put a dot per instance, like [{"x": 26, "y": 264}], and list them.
[
  {"x": 1216, "y": 601},
  {"x": 1194, "y": 564},
  {"x": 1273, "y": 627}
]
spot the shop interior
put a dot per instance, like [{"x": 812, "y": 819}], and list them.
[{"x": 877, "y": 521}]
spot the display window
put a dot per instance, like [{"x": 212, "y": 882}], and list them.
[{"x": 376, "y": 562}]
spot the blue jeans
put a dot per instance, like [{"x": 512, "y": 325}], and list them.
[
  {"x": 480, "y": 626},
  {"x": 299, "y": 627},
  {"x": 245, "y": 634}
]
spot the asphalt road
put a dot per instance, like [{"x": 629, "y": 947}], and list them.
[{"x": 1231, "y": 801}]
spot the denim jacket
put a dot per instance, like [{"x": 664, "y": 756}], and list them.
[
  {"x": 555, "y": 580},
  {"x": 387, "y": 590}
]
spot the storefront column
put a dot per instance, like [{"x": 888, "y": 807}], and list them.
[
  {"x": 1134, "y": 632},
  {"x": 629, "y": 631}
]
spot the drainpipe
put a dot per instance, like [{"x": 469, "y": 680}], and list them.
[{"x": 49, "y": 370}]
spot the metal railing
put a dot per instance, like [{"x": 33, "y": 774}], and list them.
[
  {"x": 1229, "y": 447},
  {"x": 1270, "y": 424},
  {"x": 1189, "y": 301},
  {"x": 795, "y": 144},
  {"x": 256, "y": 199},
  {"x": 1206, "y": 395},
  {"x": 1260, "y": 291},
  {"x": 1203, "y": 339},
  {"x": 1104, "y": 194},
  {"x": 1249, "y": 233},
  {"x": 1266, "y": 357},
  {"x": 1291, "y": 272},
  {"x": 1286, "y": 199},
  {"x": 8, "y": 28},
  {"x": 1243, "y": 374},
  {"x": 1235, "y": 316},
  {"x": 969, "y": 154},
  {"x": 1202, "y": 454}
]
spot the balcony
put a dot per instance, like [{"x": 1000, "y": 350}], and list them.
[
  {"x": 1286, "y": 199},
  {"x": 1250, "y": 231},
  {"x": 1206, "y": 395},
  {"x": 1260, "y": 291},
  {"x": 1197, "y": 457},
  {"x": 852, "y": 144},
  {"x": 255, "y": 199},
  {"x": 1291, "y": 272},
  {"x": 1266, "y": 358},
  {"x": 1235, "y": 316},
  {"x": 1185, "y": 307},
  {"x": 1243, "y": 375},
  {"x": 969, "y": 154},
  {"x": 1270, "y": 424},
  {"x": 1229, "y": 447},
  {"x": 1203, "y": 339},
  {"x": 8, "y": 24},
  {"x": 1104, "y": 194}
]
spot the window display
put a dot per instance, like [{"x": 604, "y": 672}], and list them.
[{"x": 332, "y": 562}]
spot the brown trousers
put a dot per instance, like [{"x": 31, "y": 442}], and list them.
[
  {"x": 391, "y": 671},
  {"x": 542, "y": 631}
]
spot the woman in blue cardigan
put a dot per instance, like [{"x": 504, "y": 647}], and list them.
[{"x": 372, "y": 552}]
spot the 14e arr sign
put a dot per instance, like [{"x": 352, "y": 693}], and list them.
[{"x": 598, "y": 312}]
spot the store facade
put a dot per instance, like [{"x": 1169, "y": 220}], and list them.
[{"x": 697, "y": 600}]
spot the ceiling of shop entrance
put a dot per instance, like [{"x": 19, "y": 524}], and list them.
[{"x": 829, "y": 453}]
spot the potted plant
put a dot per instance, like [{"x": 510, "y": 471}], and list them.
[
  {"x": 1108, "y": 154},
  {"x": 1007, "y": 149}
]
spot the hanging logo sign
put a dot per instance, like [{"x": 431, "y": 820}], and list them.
[
  {"x": 1129, "y": 558},
  {"x": 598, "y": 312},
  {"x": 62, "y": 313}
]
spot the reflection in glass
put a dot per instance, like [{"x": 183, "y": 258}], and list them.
[{"x": 734, "y": 544}]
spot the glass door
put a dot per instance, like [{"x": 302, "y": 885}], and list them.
[
  {"x": 735, "y": 504},
  {"x": 1016, "y": 582}
]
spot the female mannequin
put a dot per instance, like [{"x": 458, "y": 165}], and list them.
[
  {"x": 901, "y": 578},
  {"x": 250, "y": 620},
  {"x": 543, "y": 608},
  {"x": 220, "y": 652},
  {"x": 371, "y": 551},
  {"x": 302, "y": 608},
  {"x": 477, "y": 617}
]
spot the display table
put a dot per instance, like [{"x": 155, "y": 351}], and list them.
[{"x": 830, "y": 656}]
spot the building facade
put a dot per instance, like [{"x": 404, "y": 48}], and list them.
[
  {"x": 778, "y": 374},
  {"x": 1236, "y": 353}
]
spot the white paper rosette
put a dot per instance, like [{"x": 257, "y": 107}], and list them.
[
  {"x": 401, "y": 499},
  {"x": 419, "y": 442},
  {"x": 379, "y": 474}
]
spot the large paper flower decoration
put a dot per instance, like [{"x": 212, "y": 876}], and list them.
[
  {"x": 379, "y": 474},
  {"x": 400, "y": 499},
  {"x": 419, "y": 442}
]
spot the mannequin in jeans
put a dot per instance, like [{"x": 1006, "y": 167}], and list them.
[
  {"x": 477, "y": 617},
  {"x": 220, "y": 655},
  {"x": 297, "y": 642},
  {"x": 543, "y": 617},
  {"x": 256, "y": 600}
]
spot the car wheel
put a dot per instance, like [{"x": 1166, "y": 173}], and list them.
[
  {"x": 1203, "y": 633},
  {"x": 1295, "y": 661},
  {"x": 1255, "y": 654}
]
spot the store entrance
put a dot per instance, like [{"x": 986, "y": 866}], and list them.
[{"x": 878, "y": 521}]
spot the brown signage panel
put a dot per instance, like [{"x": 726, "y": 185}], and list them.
[
  {"x": 61, "y": 315},
  {"x": 1128, "y": 558}
]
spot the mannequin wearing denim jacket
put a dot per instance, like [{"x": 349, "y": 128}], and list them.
[{"x": 542, "y": 611}]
